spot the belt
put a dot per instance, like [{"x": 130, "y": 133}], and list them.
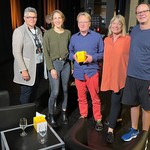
[{"x": 61, "y": 59}]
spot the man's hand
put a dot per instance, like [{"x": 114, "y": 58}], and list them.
[
  {"x": 89, "y": 59},
  {"x": 75, "y": 58}
]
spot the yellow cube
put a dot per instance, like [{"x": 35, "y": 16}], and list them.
[
  {"x": 81, "y": 56},
  {"x": 37, "y": 121}
]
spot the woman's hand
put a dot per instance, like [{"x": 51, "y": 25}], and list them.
[
  {"x": 25, "y": 75},
  {"x": 72, "y": 71},
  {"x": 54, "y": 74}
]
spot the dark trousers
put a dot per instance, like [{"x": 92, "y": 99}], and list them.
[
  {"x": 115, "y": 108},
  {"x": 29, "y": 93}
]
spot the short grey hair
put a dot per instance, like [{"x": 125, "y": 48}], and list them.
[{"x": 29, "y": 9}]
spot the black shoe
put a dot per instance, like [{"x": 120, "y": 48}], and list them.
[
  {"x": 51, "y": 120},
  {"x": 110, "y": 137},
  {"x": 64, "y": 117},
  {"x": 99, "y": 126}
]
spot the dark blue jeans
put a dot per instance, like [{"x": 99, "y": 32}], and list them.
[
  {"x": 63, "y": 70},
  {"x": 115, "y": 108},
  {"x": 29, "y": 93}
]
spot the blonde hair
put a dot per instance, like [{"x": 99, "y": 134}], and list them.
[
  {"x": 121, "y": 19},
  {"x": 61, "y": 14},
  {"x": 84, "y": 14}
]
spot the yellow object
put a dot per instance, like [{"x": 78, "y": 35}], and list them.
[
  {"x": 37, "y": 121},
  {"x": 81, "y": 56}
]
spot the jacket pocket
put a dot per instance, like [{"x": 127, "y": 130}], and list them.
[{"x": 27, "y": 62}]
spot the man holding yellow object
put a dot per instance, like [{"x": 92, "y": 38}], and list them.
[{"x": 88, "y": 45}]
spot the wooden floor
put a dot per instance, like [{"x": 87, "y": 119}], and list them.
[{"x": 6, "y": 83}]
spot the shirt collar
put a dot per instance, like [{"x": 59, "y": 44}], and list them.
[{"x": 87, "y": 33}]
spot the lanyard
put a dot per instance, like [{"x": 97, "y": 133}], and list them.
[{"x": 37, "y": 41}]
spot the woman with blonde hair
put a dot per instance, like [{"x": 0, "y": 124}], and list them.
[{"x": 116, "y": 53}]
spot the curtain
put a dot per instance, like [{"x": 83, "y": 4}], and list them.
[
  {"x": 50, "y": 5},
  {"x": 16, "y": 16},
  {"x": 16, "y": 19}
]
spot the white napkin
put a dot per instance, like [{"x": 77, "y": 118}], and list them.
[{"x": 39, "y": 114}]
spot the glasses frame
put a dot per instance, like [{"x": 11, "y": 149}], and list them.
[
  {"x": 83, "y": 22},
  {"x": 142, "y": 12},
  {"x": 29, "y": 17}
]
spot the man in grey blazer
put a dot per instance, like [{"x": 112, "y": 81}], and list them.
[{"x": 28, "y": 56}]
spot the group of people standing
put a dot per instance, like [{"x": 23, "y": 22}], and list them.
[{"x": 126, "y": 66}]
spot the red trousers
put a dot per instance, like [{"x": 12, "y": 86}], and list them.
[{"x": 91, "y": 85}]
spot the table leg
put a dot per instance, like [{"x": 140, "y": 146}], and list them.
[
  {"x": 63, "y": 148},
  {"x": 2, "y": 144}
]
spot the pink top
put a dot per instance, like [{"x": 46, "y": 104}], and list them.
[{"x": 115, "y": 63}]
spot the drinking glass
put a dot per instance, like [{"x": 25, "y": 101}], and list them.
[
  {"x": 42, "y": 132},
  {"x": 23, "y": 125}
]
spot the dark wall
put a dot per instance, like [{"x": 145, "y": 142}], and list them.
[
  {"x": 120, "y": 8},
  {"x": 69, "y": 7},
  {"x": 5, "y": 31},
  {"x": 38, "y": 5},
  {"x": 6, "y": 27}
]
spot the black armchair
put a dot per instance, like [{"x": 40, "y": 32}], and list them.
[
  {"x": 4, "y": 98},
  {"x": 143, "y": 141},
  {"x": 76, "y": 138},
  {"x": 10, "y": 115},
  {"x": 139, "y": 143},
  {"x": 82, "y": 137}
]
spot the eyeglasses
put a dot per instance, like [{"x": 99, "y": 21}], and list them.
[
  {"x": 142, "y": 12},
  {"x": 29, "y": 17},
  {"x": 83, "y": 22}
]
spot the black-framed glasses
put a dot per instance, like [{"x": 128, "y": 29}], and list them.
[
  {"x": 142, "y": 12},
  {"x": 29, "y": 17}
]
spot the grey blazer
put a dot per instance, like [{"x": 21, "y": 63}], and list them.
[{"x": 24, "y": 52}]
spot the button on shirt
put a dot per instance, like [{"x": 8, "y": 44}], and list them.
[{"x": 92, "y": 43}]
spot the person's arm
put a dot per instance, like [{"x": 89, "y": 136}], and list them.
[
  {"x": 46, "y": 47},
  {"x": 17, "y": 44},
  {"x": 43, "y": 29},
  {"x": 72, "y": 54},
  {"x": 99, "y": 55}
]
